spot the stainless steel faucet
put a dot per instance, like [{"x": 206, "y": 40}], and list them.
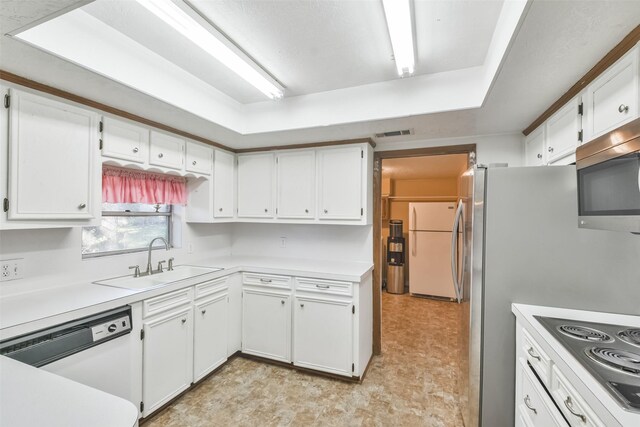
[{"x": 149, "y": 266}]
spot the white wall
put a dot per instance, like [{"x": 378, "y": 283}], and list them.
[
  {"x": 52, "y": 257},
  {"x": 323, "y": 242},
  {"x": 502, "y": 148}
]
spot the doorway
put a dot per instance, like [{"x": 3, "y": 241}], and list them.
[{"x": 396, "y": 198}]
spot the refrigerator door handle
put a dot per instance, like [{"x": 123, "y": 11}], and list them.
[
  {"x": 413, "y": 243},
  {"x": 454, "y": 250},
  {"x": 413, "y": 225}
]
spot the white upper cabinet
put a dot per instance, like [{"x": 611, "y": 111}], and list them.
[
  {"x": 564, "y": 133},
  {"x": 124, "y": 140},
  {"x": 255, "y": 185},
  {"x": 340, "y": 186},
  {"x": 534, "y": 147},
  {"x": 224, "y": 184},
  {"x": 199, "y": 158},
  {"x": 166, "y": 150},
  {"x": 53, "y": 160},
  {"x": 296, "y": 173},
  {"x": 612, "y": 98}
]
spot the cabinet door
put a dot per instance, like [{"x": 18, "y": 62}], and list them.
[
  {"x": 534, "y": 147},
  {"x": 235, "y": 314},
  {"x": 126, "y": 141},
  {"x": 210, "y": 335},
  {"x": 563, "y": 132},
  {"x": 167, "y": 367},
  {"x": 199, "y": 158},
  {"x": 166, "y": 150},
  {"x": 53, "y": 159},
  {"x": 323, "y": 335},
  {"x": 255, "y": 185},
  {"x": 296, "y": 173},
  {"x": 613, "y": 97},
  {"x": 224, "y": 184},
  {"x": 266, "y": 325},
  {"x": 340, "y": 183}
]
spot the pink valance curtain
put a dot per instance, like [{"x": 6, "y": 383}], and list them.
[{"x": 131, "y": 186}]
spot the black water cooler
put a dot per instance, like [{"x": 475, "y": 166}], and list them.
[{"x": 395, "y": 258}]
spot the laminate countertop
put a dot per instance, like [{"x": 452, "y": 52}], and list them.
[
  {"x": 31, "y": 311},
  {"x": 34, "y": 397}
]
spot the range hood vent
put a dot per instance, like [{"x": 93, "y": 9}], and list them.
[{"x": 395, "y": 133}]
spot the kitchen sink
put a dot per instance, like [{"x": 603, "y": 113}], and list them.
[{"x": 180, "y": 272}]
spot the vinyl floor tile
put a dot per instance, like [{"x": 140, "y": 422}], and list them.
[{"x": 413, "y": 382}]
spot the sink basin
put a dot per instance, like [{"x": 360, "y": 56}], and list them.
[{"x": 180, "y": 272}]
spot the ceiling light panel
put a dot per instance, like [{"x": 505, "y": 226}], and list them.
[
  {"x": 400, "y": 26},
  {"x": 214, "y": 43}
]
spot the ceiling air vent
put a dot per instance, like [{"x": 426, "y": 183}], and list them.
[{"x": 395, "y": 133}]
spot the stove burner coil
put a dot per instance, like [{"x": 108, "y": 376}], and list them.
[
  {"x": 631, "y": 336},
  {"x": 621, "y": 360},
  {"x": 585, "y": 334}
]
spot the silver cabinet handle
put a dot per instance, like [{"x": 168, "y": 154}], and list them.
[
  {"x": 282, "y": 301},
  {"x": 301, "y": 305},
  {"x": 82, "y": 205},
  {"x": 160, "y": 155},
  {"x": 326, "y": 211},
  {"x": 623, "y": 108},
  {"x": 135, "y": 149},
  {"x": 266, "y": 280},
  {"x": 322, "y": 286},
  {"x": 194, "y": 163},
  {"x": 533, "y": 354},
  {"x": 220, "y": 209},
  {"x": 550, "y": 149},
  {"x": 266, "y": 210},
  {"x": 569, "y": 404},
  {"x": 204, "y": 311},
  {"x": 184, "y": 321},
  {"x": 539, "y": 155},
  {"x": 306, "y": 211},
  {"x": 527, "y": 402}
]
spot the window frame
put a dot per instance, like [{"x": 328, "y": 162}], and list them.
[{"x": 127, "y": 213}]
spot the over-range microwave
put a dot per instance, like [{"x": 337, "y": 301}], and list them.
[{"x": 609, "y": 180}]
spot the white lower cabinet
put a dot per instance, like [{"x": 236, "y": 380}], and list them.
[
  {"x": 534, "y": 407},
  {"x": 210, "y": 334},
  {"x": 323, "y": 335},
  {"x": 266, "y": 324},
  {"x": 234, "y": 322},
  {"x": 167, "y": 367}
]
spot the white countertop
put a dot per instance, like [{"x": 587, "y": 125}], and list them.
[
  {"x": 23, "y": 313},
  {"x": 525, "y": 314},
  {"x": 34, "y": 397}
]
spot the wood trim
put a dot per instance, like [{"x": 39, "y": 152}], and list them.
[
  {"x": 290, "y": 365},
  {"x": 378, "y": 156},
  {"x": 614, "y": 54},
  {"x": 22, "y": 81},
  {"x": 309, "y": 145}
]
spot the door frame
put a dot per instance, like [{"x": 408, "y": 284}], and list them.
[{"x": 378, "y": 156}]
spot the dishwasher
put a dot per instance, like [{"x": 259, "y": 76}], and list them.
[{"x": 94, "y": 350}]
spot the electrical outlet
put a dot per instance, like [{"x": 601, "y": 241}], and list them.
[
  {"x": 11, "y": 269},
  {"x": 283, "y": 242}
]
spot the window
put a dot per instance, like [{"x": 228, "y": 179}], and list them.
[{"x": 127, "y": 227}]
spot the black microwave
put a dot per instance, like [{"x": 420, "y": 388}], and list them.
[{"x": 609, "y": 180}]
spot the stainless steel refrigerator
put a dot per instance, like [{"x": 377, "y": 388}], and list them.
[{"x": 521, "y": 243}]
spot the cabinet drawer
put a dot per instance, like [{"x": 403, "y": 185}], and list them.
[
  {"x": 536, "y": 357},
  {"x": 535, "y": 407},
  {"x": 212, "y": 287},
  {"x": 266, "y": 280},
  {"x": 166, "y": 302},
  {"x": 572, "y": 405},
  {"x": 324, "y": 286}
]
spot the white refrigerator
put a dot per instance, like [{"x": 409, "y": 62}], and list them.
[{"x": 430, "y": 248}]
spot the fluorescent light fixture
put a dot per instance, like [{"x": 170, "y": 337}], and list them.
[
  {"x": 398, "y": 13},
  {"x": 181, "y": 21}
]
